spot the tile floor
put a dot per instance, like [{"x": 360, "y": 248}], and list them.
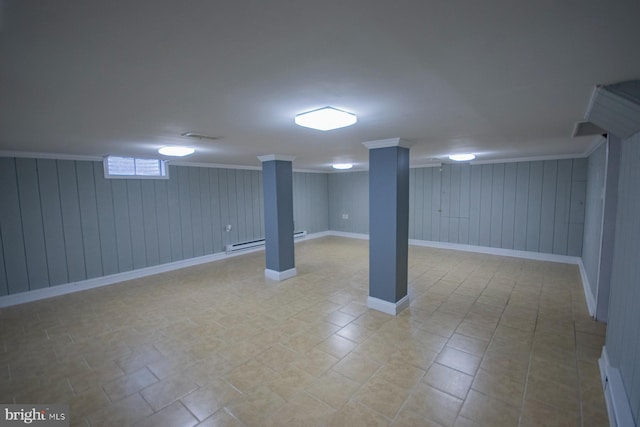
[{"x": 487, "y": 341}]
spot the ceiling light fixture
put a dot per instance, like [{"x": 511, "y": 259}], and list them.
[
  {"x": 327, "y": 118},
  {"x": 342, "y": 166},
  {"x": 176, "y": 151},
  {"x": 462, "y": 157}
]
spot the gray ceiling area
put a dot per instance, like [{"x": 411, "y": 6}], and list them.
[{"x": 501, "y": 79}]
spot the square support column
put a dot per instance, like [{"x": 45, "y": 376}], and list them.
[
  {"x": 277, "y": 183},
  {"x": 388, "y": 225}
]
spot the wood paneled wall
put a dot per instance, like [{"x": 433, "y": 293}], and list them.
[{"x": 61, "y": 221}]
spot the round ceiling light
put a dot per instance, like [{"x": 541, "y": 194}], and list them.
[
  {"x": 462, "y": 157},
  {"x": 342, "y": 166},
  {"x": 176, "y": 151}
]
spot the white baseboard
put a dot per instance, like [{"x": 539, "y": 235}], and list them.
[
  {"x": 280, "y": 275},
  {"x": 388, "y": 307},
  {"x": 538, "y": 256},
  {"x": 360, "y": 236},
  {"x": 615, "y": 396},
  {"x": 67, "y": 288},
  {"x": 591, "y": 300}
]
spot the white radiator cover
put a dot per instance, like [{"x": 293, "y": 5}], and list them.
[{"x": 242, "y": 246}]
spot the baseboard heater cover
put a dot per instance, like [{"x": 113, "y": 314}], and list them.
[{"x": 243, "y": 246}]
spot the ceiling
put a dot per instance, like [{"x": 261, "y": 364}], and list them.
[{"x": 502, "y": 79}]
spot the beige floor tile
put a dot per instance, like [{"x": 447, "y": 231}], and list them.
[
  {"x": 207, "y": 400},
  {"x": 172, "y": 416},
  {"x": 459, "y": 360},
  {"x": 124, "y": 412},
  {"x": 448, "y": 380},
  {"x": 433, "y": 404},
  {"x": 129, "y": 384},
  {"x": 168, "y": 391},
  {"x": 333, "y": 388},
  {"x": 221, "y": 419},
  {"x": 224, "y": 342},
  {"x": 256, "y": 407},
  {"x": 357, "y": 367},
  {"x": 488, "y": 411}
]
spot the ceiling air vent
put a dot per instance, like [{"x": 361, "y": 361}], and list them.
[{"x": 200, "y": 136}]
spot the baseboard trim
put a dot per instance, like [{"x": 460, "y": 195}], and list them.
[
  {"x": 615, "y": 396},
  {"x": 83, "y": 285},
  {"x": 591, "y": 301},
  {"x": 537, "y": 256},
  {"x": 58, "y": 290},
  {"x": 388, "y": 307},
  {"x": 280, "y": 275}
]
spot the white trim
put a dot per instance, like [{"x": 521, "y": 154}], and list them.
[
  {"x": 212, "y": 165},
  {"x": 529, "y": 159},
  {"x": 360, "y": 236},
  {"x": 67, "y": 288},
  {"x": 615, "y": 396},
  {"x": 591, "y": 302},
  {"x": 280, "y": 275},
  {"x": 538, "y": 256},
  {"x": 390, "y": 142},
  {"x": 272, "y": 157},
  {"x": 52, "y": 156},
  {"x": 386, "y": 306}
]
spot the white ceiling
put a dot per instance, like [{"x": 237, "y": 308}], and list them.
[{"x": 503, "y": 79}]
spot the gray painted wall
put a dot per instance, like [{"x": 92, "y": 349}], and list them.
[
  {"x": 530, "y": 206},
  {"x": 349, "y": 195},
  {"x": 596, "y": 171},
  {"x": 62, "y": 222},
  {"x": 623, "y": 336}
]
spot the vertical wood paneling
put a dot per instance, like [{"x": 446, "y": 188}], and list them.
[
  {"x": 436, "y": 210},
  {"x": 240, "y": 216},
  {"x": 486, "y": 187},
  {"x": 522, "y": 206},
  {"x": 474, "y": 205},
  {"x": 465, "y": 185},
  {"x": 216, "y": 224},
  {"x": 509, "y": 205},
  {"x": 196, "y": 211},
  {"x": 563, "y": 205},
  {"x": 71, "y": 220},
  {"x": 454, "y": 204},
  {"x": 224, "y": 206},
  {"x": 418, "y": 203},
  {"x": 122, "y": 221},
  {"x": 136, "y": 223},
  {"x": 89, "y": 219},
  {"x": 3, "y": 274},
  {"x": 175, "y": 216},
  {"x": 445, "y": 205},
  {"x": 162, "y": 218},
  {"x": 547, "y": 213},
  {"x": 497, "y": 201},
  {"x": 248, "y": 199},
  {"x": 258, "y": 213},
  {"x": 427, "y": 203},
  {"x": 412, "y": 206},
  {"x": 33, "y": 233},
  {"x": 534, "y": 206},
  {"x": 149, "y": 213},
  {"x": 185, "y": 212},
  {"x": 232, "y": 198},
  {"x": 205, "y": 206},
  {"x": 11, "y": 224},
  {"x": 106, "y": 221}
]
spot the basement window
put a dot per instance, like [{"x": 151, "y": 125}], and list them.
[{"x": 132, "y": 167}]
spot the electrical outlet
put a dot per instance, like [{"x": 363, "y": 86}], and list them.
[
  {"x": 227, "y": 228},
  {"x": 345, "y": 216}
]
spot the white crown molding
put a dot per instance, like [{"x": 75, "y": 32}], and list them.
[
  {"x": 390, "y": 142},
  {"x": 50, "y": 156},
  {"x": 272, "y": 157}
]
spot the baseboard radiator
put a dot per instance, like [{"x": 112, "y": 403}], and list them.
[{"x": 251, "y": 244}]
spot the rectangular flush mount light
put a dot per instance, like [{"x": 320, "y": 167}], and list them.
[{"x": 326, "y": 118}]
